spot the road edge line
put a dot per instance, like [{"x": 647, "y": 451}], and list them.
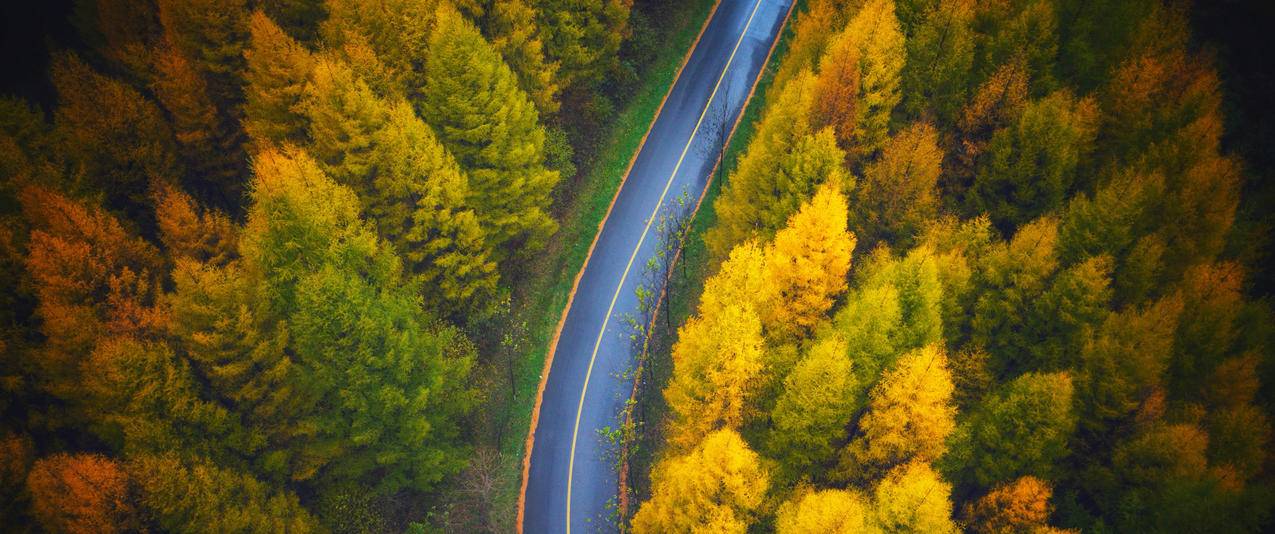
[
  {"x": 712, "y": 173},
  {"x": 553, "y": 343}
]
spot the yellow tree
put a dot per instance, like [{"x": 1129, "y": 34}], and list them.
[
  {"x": 717, "y": 487},
  {"x": 277, "y": 69},
  {"x": 512, "y": 28},
  {"x": 717, "y": 361},
  {"x": 806, "y": 265},
  {"x": 188, "y": 231},
  {"x": 913, "y": 498},
  {"x": 899, "y": 191},
  {"x": 875, "y": 35},
  {"x": 837, "y": 91},
  {"x": 910, "y": 415},
  {"x": 826, "y": 512}
]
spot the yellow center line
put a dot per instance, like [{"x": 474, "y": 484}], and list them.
[{"x": 571, "y": 462}]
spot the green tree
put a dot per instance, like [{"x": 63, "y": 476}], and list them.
[
  {"x": 940, "y": 56},
  {"x": 274, "y": 84},
  {"x": 398, "y": 32},
  {"x": 583, "y": 36},
  {"x": 814, "y": 408},
  {"x": 875, "y": 35},
  {"x": 197, "y": 495},
  {"x": 475, "y": 106},
  {"x": 1011, "y": 278},
  {"x": 1019, "y": 30},
  {"x": 1023, "y": 429},
  {"x": 344, "y": 115},
  {"x": 513, "y": 29},
  {"x": 1123, "y": 363},
  {"x": 1031, "y": 166},
  {"x": 717, "y": 487},
  {"x": 318, "y": 341}
]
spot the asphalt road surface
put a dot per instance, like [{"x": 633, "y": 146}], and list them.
[{"x": 572, "y": 476}]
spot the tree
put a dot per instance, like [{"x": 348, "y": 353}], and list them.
[
  {"x": 1211, "y": 302},
  {"x": 717, "y": 360},
  {"x": 717, "y": 487},
  {"x": 344, "y": 115},
  {"x": 197, "y": 495},
  {"x": 513, "y": 30},
  {"x": 111, "y": 133},
  {"x": 475, "y": 106},
  {"x": 208, "y": 150},
  {"x": 913, "y": 498},
  {"x": 836, "y": 93},
  {"x": 420, "y": 205},
  {"x": 1031, "y": 166},
  {"x": 742, "y": 213},
  {"x": 875, "y": 34},
  {"x": 213, "y": 35},
  {"x": 398, "y": 31},
  {"x": 899, "y": 191},
  {"x": 813, "y": 28},
  {"x": 187, "y": 231},
  {"x": 1018, "y": 506},
  {"x": 300, "y": 18},
  {"x": 81, "y": 493},
  {"x": 1076, "y": 302},
  {"x": 92, "y": 280},
  {"x": 583, "y": 36},
  {"x": 816, "y": 404},
  {"x": 1011, "y": 277},
  {"x": 1019, "y": 30},
  {"x": 806, "y": 265},
  {"x": 996, "y": 104},
  {"x": 1123, "y": 362},
  {"x": 1023, "y": 429},
  {"x": 121, "y": 31},
  {"x": 825, "y": 512},
  {"x": 910, "y": 415},
  {"x": 318, "y": 341},
  {"x": 940, "y": 56},
  {"x": 274, "y": 84}
]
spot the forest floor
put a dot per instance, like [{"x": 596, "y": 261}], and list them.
[{"x": 542, "y": 292}]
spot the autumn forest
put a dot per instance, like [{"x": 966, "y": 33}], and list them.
[{"x": 981, "y": 266}]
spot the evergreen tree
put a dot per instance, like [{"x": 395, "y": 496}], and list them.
[
  {"x": 512, "y": 27},
  {"x": 475, "y": 106},
  {"x": 1022, "y": 430},
  {"x": 940, "y": 56},
  {"x": 583, "y": 36},
  {"x": 717, "y": 487},
  {"x": 213, "y": 35},
  {"x": 344, "y": 115},
  {"x": 187, "y": 231},
  {"x": 1011, "y": 278},
  {"x": 208, "y": 151},
  {"x": 274, "y": 84},
  {"x": 1019, "y": 30},
  {"x": 398, "y": 31}
]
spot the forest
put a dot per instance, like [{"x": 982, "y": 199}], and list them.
[
  {"x": 983, "y": 266},
  {"x": 986, "y": 266}
]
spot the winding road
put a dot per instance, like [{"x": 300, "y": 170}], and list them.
[{"x": 571, "y": 477}]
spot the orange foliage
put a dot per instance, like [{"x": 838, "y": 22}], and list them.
[{"x": 83, "y": 493}]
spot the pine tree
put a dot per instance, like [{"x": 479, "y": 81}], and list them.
[
  {"x": 81, "y": 493},
  {"x": 825, "y": 512},
  {"x": 812, "y": 30},
  {"x": 1032, "y": 166},
  {"x": 512, "y": 27},
  {"x": 1019, "y": 30},
  {"x": 1018, "y": 506},
  {"x": 899, "y": 191},
  {"x": 875, "y": 34},
  {"x": 1022, "y": 430},
  {"x": 1123, "y": 363},
  {"x": 1011, "y": 278},
  {"x": 197, "y": 495},
  {"x": 940, "y": 57},
  {"x": 274, "y": 84},
  {"x": 913, "y": 498},
  {"x": 344, "y": 116},
  {"x": 213, "y": 35},
  {"x": 398, "y": 31},
  {"x": 310, "y": 324},
  {"x": 806, "y": 265},
  {"x": 583, "y": 36},
  {"x": 837, "y": 89},
  {"x": 717, "y": 360},
  {"x": 111, "y": 135},
  {"x": 207, "y": 149},
  {"x": 909, "y": 417},
  {"x": 995, "y": 105},
  {"x": 717, "y": 487},
  {"x": 187, "y": 231},
  {"x": 816, "y": 404},
  {"x": 475, "y": 106}
]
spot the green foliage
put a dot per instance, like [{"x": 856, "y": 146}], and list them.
[
  {"x": 583, "y": 36},
  {"x": 1022, "y": 430},
  {"x": 474, "y": 104},
  {"x": 940, "y": 56},
  {"x": 814, "y": 408}
]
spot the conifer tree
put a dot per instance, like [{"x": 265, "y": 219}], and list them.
[
  {"x": 899, "y": 191},
  {"x": 816, "y": 404},
  {"x": 837, "y": 88},
  {"x": 513, "y": 30},
  {"x": 909, "y": 417},
  {"x": 299, "y": 18},
  {"x": 213, "y": 35},
  {"x": 1032, "y": 166},
  {"x": 717, "y": 361},
  {"x": 1018, "y": 506},
  {"x": 111, "y": 135},
  {"x": 187, "y": 231},
  {"x": 806, "y": 265},
  {"x": 940, "y": 57},
  {"x": 583, "y": 36},
  {"x": 1011, "y": 277},
  {"x": 875, "y": 35},
  {"x": 913, "y": 498},
  {"x": 825, "y": 512},
  {"x": 1124, "y": 362},
  {"x": 717, "y": 487},
  {"x": 208, "y": 150},
  {"x": 344, "y": 116},
  {"x": 1019, "y": 30},
  {"x": 398, "y": 31},
  {"x": 994, "y": 106},
  {"x": 475, "y": 106},
  {"x": 1022, "y": 430},
  {"x": 81, "y": 493},
  {"x": 121, "y": 31},
  {"x": 274, "y": 84}
]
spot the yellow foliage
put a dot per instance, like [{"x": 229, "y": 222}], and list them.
[
  {"x": 875, "y": 34},
  {"x": 715, "y": 488},
  {"x": 806, "y": 265},
  {"x": 913, "y": 498},
  {"x": 826, "y": 512}
]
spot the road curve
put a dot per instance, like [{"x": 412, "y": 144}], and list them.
[{"x": 571, "y": 478}]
